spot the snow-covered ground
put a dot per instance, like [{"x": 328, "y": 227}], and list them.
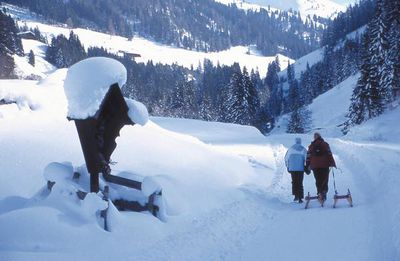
[
  {"x": 225, "y": 186},
  {"x": 226, "y": 190},
  {"x": 41, "y": 67},
  {"x": 244, "y": 55}
]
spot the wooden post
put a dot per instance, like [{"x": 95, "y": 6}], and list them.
[
  {"x": 94, "y": 182},
  {"x": 104, "y": 212}
]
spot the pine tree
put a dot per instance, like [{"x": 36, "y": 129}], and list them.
[
  {"x": 272, "y": 78},
  {"x": 206, "y": 111},
  {"x": 360, "y": 100},
  {"x": 290, "y": 74},
  {"x": 190, "y": 105},
  {"x": 251, "y": 101},
  {"x": 64, "y": 52},
  {"x": 271, "y": 81},
  {"x": 300, "y": 120},
  {"x": 300, "y": 117},
  {"x": 6, "y": 64},
  {"x": 294, "y": 125},
  {"x": 232, "y": 102},
  {"x": 275, "y": 103},
  {"x": 31, "y": 58},
  {"x": 177, "y": 106},
  {"x": 9, "y": 35},
  {"x": 264, "y": 120},
  {"x": 380, "y": 92},
  {"x": 306, "y": 87},
  {"x": 393, "y": 21},
  {"x": 242, "y": 100},
  {"x": 294, "y": 99},
  {"x": 10, "y": 44}
]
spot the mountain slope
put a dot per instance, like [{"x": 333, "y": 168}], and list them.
[
  {"x": 149, "y": 50},
  {"x": 198, "y": 25}
]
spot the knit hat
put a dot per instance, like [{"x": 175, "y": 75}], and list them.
[{"x": 317, "y": 135}]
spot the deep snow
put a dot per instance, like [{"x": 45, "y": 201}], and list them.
[{"x": 225, "y": 187}]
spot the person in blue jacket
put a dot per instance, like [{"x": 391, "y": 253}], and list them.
[{"x": 295, "y": 160}]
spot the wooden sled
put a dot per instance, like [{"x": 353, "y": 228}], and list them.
[
  {"x": 336, "y": 198},
  {"x": 308, "y": 198}
]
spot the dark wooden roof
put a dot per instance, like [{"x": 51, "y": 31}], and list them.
[{"x": 27, "y": 35}]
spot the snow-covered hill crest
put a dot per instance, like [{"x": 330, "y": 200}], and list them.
[{"x": 322, "y": 8}]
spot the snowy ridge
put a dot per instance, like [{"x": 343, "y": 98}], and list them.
[{"x": 322, "y": 8}]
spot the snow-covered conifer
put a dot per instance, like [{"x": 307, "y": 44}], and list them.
[{"x": 31, "y": 58}]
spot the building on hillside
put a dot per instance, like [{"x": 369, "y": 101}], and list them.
[
  {"x": 130, "y": 55},
  {"x": 27, "y": 35}
]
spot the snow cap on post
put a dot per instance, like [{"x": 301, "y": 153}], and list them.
[
  {"x": 87, "y": 83},
  {"x": 137, "y": 112}
]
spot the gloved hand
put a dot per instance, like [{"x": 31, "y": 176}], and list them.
[{"x": 307, "y": 170}]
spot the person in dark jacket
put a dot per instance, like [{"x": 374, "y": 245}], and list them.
[
  {"x": 295, "y": 159},
  {"x": 319, "y": 160}
]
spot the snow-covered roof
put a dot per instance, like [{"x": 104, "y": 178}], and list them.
[{"x": 88, "y": 82}]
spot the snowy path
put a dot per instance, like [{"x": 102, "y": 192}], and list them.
[
  {"x": 260, "y": 221},
  {"x": 315, "y": 234},
  {"x": 360, "y": 233},
  {"x": 288, "y": 232},
  {"x": 227, "y": 187}
]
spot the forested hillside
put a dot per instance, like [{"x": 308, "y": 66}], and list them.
[
  {"x": 379, "y": 84},
  {"x": 10, "y": 43},
  {"x": 235, "y": 94},
  {"x": 342, "y": 57},
  {"x": 198, "y": 24}
]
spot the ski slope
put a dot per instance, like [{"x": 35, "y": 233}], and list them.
[{"x": 227, "y": 192}]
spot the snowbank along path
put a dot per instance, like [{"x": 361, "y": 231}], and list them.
[{"x": 226, "y": 188}]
